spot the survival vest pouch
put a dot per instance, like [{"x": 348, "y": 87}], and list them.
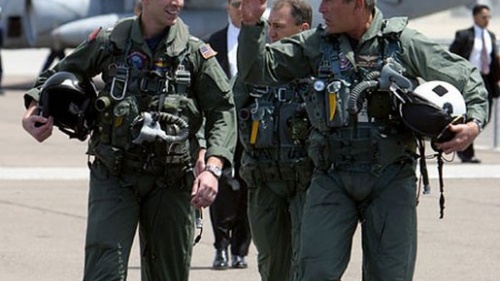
[
  {"x": 145, "y": 108},
  {"x": 325, "y": 102},
  {"x": 274, "y": 129},
  {"x": 275, "y": 119}
]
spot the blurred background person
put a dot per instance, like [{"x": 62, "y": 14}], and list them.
[
  {"x": 55, "y": 53},
  {"x": 478, "y": 45},
  {"x": 228, "y": 213}
]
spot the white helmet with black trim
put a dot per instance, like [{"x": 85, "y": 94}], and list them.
[{"x": 431, "y": 108}]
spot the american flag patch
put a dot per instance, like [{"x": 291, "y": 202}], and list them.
[{"x": 207, "y": 51}]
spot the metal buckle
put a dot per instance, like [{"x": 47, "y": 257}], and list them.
[
  {"x": 182, "y": 76},
  {"x": 149, "y": 85},
  {"x": 281, "y": 95},
  {"x": 259, "y": 91},
  {"x": 122, "y": 75}
]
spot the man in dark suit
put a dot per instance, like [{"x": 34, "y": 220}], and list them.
[
  {"x": 228, "y": 212},
  {"x": 478, "y": 45}
]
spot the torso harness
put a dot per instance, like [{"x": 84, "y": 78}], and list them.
[
  {"x": 144, "y": 112},
  {"x": 358, "y": 120},
  {"x": 274, "y": 128}
]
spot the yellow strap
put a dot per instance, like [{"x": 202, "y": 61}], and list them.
[
  {"x": 255, "y": 130},
  {"x": 332, "y": 101}
]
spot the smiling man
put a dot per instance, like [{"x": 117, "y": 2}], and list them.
[{"x": 152, "y": 67}]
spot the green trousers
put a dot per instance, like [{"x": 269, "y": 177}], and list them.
[
  {"x": 275, "y": 211},
  {"x": 384, "y": 205},
  {"x": 161, "y": 210}
]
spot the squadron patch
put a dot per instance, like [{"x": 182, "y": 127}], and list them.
[
  {"x": 94, "y": 34},
  {"x": 207, "y": 51},
  {"x": 137, "y": 60}
]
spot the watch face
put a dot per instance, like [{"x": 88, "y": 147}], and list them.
[{"x": 214, "y": 170}]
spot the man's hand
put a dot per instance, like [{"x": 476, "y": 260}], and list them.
[
  {"x": 206, "y": 186},
  {"x": 37, "y": 126},
  {"x": 252, "y": 11},
  {"x": 464, "y": 136},
  {"x": 205, "y": 189}
]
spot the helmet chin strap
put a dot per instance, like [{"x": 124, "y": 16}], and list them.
[
  {"x": 441, "y": 184},
  {"x": 425, "y": 174}
]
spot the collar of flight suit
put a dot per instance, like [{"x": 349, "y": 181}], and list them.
[{"x": 175, "y": 41}]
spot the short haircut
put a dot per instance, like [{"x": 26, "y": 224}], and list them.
[
  {"x": 301, "y": 10},
  {"x": 478, "y": 8}
]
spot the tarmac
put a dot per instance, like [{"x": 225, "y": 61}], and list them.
[{"x": 43, "y": 201}]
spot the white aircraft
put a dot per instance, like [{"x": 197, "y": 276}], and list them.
[{"x": 60, "y": 24}]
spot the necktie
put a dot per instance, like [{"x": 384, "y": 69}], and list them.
[{"x": 485, "y": 67}]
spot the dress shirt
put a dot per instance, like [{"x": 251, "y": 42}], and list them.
[
  {"x": 232, "y": 46},
  {"x": 475, "y": 55}
]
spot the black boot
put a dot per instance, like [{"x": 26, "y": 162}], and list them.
[
  {"x": 238, "y": 261},
  {"x": 220, "y": 260}
]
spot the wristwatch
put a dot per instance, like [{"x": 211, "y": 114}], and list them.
[
  {"x": 215, "y": 170},
  {"x": 478, "y": 123}
]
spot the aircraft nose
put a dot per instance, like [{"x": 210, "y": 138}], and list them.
[{"x": 72, "y": 34}]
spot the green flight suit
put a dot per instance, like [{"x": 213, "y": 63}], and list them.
[
  {"x": 149, "y": 184},
  {"x": 377, "y": 189},
  {"x": 277, "y": 171}
]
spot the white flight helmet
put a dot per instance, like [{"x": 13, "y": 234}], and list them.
[{"x": 431, "y": 107}]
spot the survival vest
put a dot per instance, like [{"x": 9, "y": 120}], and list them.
[{"x": 135, "y": 87}]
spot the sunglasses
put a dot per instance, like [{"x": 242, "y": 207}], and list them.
[{"x": 236, "y": 5}]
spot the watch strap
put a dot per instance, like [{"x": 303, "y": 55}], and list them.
[
  {"x": 215, "y": 170},
  {"x": 478, "y": 123}
]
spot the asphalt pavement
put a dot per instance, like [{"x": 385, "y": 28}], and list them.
[{"x": 43, "y": 199}]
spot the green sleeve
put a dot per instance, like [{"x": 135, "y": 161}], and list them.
[
  {"x": 278, "y": 63},
  {"x": 215, "y": 98},
  {"x": 431, "y": 61},
  {"x": 200, "y": 136},
  {"x": 240, "y": 91}
]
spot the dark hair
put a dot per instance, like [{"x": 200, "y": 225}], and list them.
[
  {"x": 478, "y": 8},
  {"x": 301, "y": 10},
  {"x": 370, "y": 4}
]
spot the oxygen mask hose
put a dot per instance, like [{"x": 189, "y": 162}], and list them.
[{"x": 146, "y": 128}]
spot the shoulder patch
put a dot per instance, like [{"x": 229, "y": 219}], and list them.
[
  {"x": 207, "y": 51},
  {"x": 94, "y": 34}
]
